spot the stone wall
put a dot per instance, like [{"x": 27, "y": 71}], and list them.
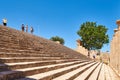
[
  {"x": 115, "y": 49},
  {"x": 104, "y": 57},
  {"x": 81, "y": 49},
  {"x": 84, "y": 51}
]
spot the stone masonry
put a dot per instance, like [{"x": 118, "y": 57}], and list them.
[
  {"x": 115, "y": 49},
  {"x": 80, "y": 48},
  {"x": 25, "y": 56},
  {"x": 83, "y": 50}
]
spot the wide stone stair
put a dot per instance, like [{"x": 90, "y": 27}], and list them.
[{"x": 27, "y": 57}]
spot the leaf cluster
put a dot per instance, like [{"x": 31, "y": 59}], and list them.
[
  {"x": 93, "y": 36},
  {"x": 57, "y": 38}
]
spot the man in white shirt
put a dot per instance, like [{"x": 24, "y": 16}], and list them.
[{"x": 5, "y": 22}]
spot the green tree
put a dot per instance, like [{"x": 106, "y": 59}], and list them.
[
  {"x": 56, "y": 38},
  {"x": 93, "y": 36}
]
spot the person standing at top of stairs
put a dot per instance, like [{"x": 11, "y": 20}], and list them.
[
  {"x": 26, "y": 28},
  {"x": 4, "y": 22},
  {"x": 31, "y": 30},
  {"x": 94, "y": 56},
  {"x": 23, "y": 27}
]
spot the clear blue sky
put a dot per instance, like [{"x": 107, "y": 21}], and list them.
[{"x": 60, "y": 17}]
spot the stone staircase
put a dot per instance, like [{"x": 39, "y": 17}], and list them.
[{"x": 27, "y": 57}]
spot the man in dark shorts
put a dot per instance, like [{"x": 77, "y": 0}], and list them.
[{"x": 23, "y": 27}]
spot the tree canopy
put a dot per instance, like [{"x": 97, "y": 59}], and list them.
[
  {"x": 57, "y": 38},
  {"x": 93, "y": 36}
]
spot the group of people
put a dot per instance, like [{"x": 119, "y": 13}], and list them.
[{"x": 23, "y": 27}]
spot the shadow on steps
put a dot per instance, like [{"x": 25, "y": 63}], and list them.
[
  {"x": 8, "y": 74},
  {"x": 25, "y": 79}
]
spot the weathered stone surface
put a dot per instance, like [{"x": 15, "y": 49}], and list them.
[
  {"x": 115, "y": 49},
  {"x": 27, "y": 57}
]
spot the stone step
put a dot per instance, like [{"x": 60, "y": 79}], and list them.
[
  {"x": 85, "y": 74},
  {"x": 26, "y": 59},
  {"x": 24, "y": 56},
  {"x": 35, "y": 70},
  {"x": 29, "y": 52},
  {"x": 71, "y": 75},
  {"x": 18, "y": 50},
  {"x": 55, "y": 73},
  {"x": 27, "y": 55},
  {"x": 20, "y": 65},
  {"x": 110, "y": 74},
  {"x": 6, "y": 54},
  {"x": 14, "y": 52},
  {"x": 8, "y": 46},
  {"x": 114, "y": 76},
  {"x": 11, "y": 75},
  {"x": 22, "y": 40},
  {"x": 95, "y": 74},
  {"x": 107, "y": 74},
  {"x": 102, "y": 73}
]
